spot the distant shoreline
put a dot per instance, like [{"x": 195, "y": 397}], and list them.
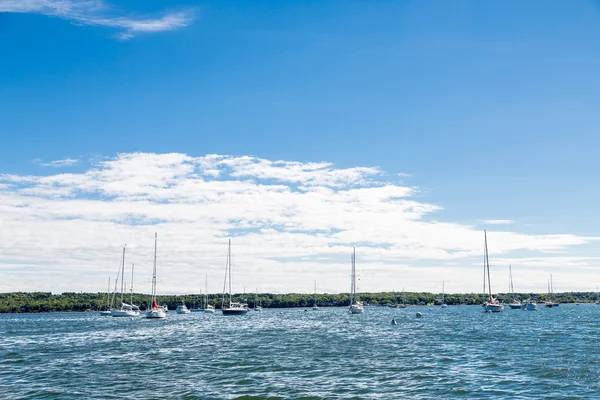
[{"x": 44, "y": 302}]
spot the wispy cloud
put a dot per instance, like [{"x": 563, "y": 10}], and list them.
[
  {"x": 497, "y": 221},
  {"x": 99, "y": 13},
  {"x": 291, "y": 222},
  {"x": 65, "y": 162}
]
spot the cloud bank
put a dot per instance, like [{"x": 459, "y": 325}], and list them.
[
  {"x": 290, "y": 222},
  {"x": 99, "y": 13}
]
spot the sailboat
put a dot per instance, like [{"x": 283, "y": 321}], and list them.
[
  {"x": 356, "y": 307},
  {"x": 444, "y": 305},
  {"x": 515, "y": 304},
  {"x": 597, "y": 302},
  {"x": 231, "y": 308},
  {"x": 126, "y": 310},
  {"x": 257, "y": 307},
  {"x": 207, "y": 307},
  {"x": 315, "y": 307},
  {"x": 154, "y": 311},
  {"x": 549, "y": 303},
  {"x": 106, "y": 313},
  {"x": 492, "y": 305}
]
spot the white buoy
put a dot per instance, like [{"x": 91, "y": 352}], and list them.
[{"x": 419, "y": 315}]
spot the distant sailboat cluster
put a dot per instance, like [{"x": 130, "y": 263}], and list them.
[{"x": 230, "y": 307}]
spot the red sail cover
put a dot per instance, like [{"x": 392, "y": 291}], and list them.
[{"x": 154, "y": 304}]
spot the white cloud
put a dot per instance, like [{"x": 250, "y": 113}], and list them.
[
  {"x": 497, "y": 221},
  {"x": 291, "y": 223},
  {"x": 99, "y": 13},
  {"x": 66, "y": 162}
]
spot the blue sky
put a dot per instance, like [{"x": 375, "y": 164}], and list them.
[{"x": 491, "y": 107}]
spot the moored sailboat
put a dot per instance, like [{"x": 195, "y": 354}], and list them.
[
  {"x": 232, "y": 308},
  {"x": 492, "y": 305},
  {"x": 514, "y": 304},
  {"x": 126, "y": 310},
  {"x": 106, "y": 313},
  {"x": 154, "y": 311},
  {"x": 206, "y": 308},
  {"x": 356, "y": 307}
]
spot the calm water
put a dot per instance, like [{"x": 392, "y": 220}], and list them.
[{"x": 458, "y": 352}]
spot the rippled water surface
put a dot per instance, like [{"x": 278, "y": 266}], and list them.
[{"x": 457, "y": 352}]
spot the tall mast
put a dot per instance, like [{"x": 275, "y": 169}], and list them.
[
  {"x": 487, "y": 262},
  {"x": 512, "y": 288},
  {"x": 154, "y": 270},
  {"x": 229, "y": 263},
  {"x": 131, "y": 300},
  {"x": 123, "y": 275},
  {"x": 443, "y": 293},
  {"x": 206, "y": 292},
  {"x": 351, "y": 278}
]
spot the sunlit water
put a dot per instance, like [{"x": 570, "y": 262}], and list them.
[{"x": 457, "y": 352}]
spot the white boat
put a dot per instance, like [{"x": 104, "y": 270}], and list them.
[
  {"x": 514, "y": 304},
  {"x": 257, "y": 306},
  {"x": 182, "y": 309},
  {"x": 315, "y": 307},
  {"x": 444, "y": 305},
  {"x": 356, "y": 307},
  {"x": 231, "y": 308},
  {"x": 154, "y": 311},
  {"x": 207, "y": 307},
  {"x": 492, "y": 305},
  {"x": 530, "y": 305},
  {"x": 125, "y": 310}
]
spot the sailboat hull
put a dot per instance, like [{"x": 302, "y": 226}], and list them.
[
  {"x": 494, "y": 307},
  {"x": 530, "y": 307},
  {"x": 155, "y": 314},
  {"x": 356, "y": 310},
  {"x": 105, "y": 313},
  {"x": 124, "y": 313},
  {"x": 516, "y": 306}
]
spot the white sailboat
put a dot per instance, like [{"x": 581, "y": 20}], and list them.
[
  {"x": 232, "y": 308},
  {"x": 444, "y": 305},
  {"x": 550, "y": 303},
  {"x": 207, "y": 307},
  {"x": 514, "y": 304},
  {"x": 492, "y": 305},
  {"x": 315, "y": 307},
  {"x": 106, "y": 313},
  {"x": 356, "y": 307},
  {"x": 126, "y": 310},
  {"x": 154, "y": 311}
]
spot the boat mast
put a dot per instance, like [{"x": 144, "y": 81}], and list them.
[
  {"x": 351, "y": 278},
  {"x": 206, "y": 292},
  {"x": 154, "y": 270},
  {"x": 123, "y": 275},
  {"x": 131, "y": 300},
  {"x": 229, "y": 263},
  {"x": 487, "y": 262},
  {"x": 512, "y": 288},
  {"x": 443, "y": 293}
]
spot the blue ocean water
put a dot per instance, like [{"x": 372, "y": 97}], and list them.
[{"x": 457, "y": 352}]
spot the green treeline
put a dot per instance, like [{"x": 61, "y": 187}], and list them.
[{"x": 20, "y": 302}]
